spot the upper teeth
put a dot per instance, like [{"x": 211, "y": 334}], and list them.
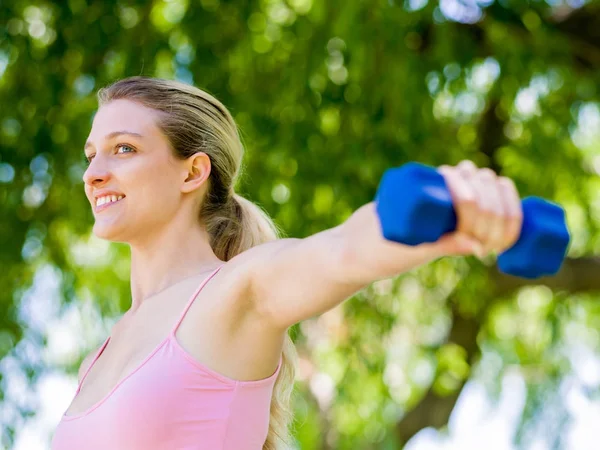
[{"x": 108, "y": 199}]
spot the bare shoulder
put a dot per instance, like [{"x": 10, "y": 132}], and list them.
[
  {"x": 239, "y": 272},
  {"x": 230, "y": 333}
]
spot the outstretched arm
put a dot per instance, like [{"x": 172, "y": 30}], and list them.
[{"x": 294, "y": 279}]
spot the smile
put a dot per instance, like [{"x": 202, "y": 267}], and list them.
[{"x": 107, "y": 205}]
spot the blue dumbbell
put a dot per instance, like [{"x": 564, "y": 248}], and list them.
[{"x": 414, "y": 206}]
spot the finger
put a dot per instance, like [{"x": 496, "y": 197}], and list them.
[
  {"x": 490, "y": 222},
  {"x": 513, "y": 212},
  {"x": 463, "y": 198},
  {"x": 469, "y": 174},
  {"x": 467, "y": 166},
  {"x": 457, "y": 243},
  {"x": 467, "y": 171}
]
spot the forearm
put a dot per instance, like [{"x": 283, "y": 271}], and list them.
[{"x": 369, "y": 256}]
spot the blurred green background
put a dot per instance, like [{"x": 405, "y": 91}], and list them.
[{"x": 328, "y": 94}]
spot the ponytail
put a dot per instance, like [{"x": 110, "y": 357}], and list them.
[{"x": 235, "y": 226}]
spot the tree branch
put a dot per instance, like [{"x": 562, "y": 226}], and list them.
[
  {"x": 581, "y": 23},
  {"x": 579, "y": 27},
  {"x": 492, "y": 128},
  {"x": 575, "y": 276},
  {"x": 434, "y": 410}
]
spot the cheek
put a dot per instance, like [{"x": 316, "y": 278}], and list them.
[
  {"x": 151, "y": 186},
  {"x": 159, "y": 191}
]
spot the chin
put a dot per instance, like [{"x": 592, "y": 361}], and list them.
[{"x": 108, "y": 233}]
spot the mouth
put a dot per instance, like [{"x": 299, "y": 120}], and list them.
[{"x": 107, "y": 205}]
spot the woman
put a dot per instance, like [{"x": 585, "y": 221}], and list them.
[{"x": 202, "y": 359}]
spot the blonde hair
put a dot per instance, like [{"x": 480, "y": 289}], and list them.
[{"x": 193, "y": 121}]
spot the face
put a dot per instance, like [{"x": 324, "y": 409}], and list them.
[{"x": 130, "y": 157}]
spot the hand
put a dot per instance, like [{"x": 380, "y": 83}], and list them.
[{"x": 488, "y": 211}]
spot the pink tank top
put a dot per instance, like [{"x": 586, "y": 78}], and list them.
[{"x": 172, "y": 402}]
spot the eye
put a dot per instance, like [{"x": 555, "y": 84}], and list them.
[
  {"x": 88, "y": 159},
  {"x": 126, "y": 146}
]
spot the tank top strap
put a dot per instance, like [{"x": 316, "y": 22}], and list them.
[
  {"x": 98, "y": 353},
  {"x": 193, "y": 297}
]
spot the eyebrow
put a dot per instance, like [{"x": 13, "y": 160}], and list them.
[{"x": 113, "y": 135}]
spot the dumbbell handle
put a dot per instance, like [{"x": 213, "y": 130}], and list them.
[{"x": 415, "y": 206}]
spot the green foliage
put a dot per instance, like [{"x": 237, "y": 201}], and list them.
[{"x": 327, "y": 96}]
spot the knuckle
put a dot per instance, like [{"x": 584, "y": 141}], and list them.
[
  {"x": 449, "y": 174},
  {"x": 498, "y": 214},
  {"x": 486, "y": 173},
  {"x": 505, "y": 181},
  {"x": 466, "y": 166},
  {"x": 444, "y": 169},
  {"x": 490, "y": 210},
  {"x": 466, "y": 163},
  {"x": 493, "y": 215},
  {"x": 508, "y": 187},
  {"x": 468, "y": 200}
]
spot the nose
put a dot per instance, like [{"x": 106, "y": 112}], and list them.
[{"x": 96, "y": 173}]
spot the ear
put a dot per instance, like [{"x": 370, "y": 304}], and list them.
[{"x": 197, "y": 170}]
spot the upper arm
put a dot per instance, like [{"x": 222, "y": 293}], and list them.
[
  {"x": 290, "y": 280},
  {"x": 294, "y": 279}
]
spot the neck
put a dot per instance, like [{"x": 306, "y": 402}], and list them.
[{"x": 166, "y": 259}]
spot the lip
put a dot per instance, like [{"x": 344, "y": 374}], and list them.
[
  {"x": 106, "y": 205},
  {"x": 102, "y": 193}
]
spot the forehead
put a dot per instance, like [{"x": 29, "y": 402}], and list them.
[{"x": 123, "y": 115}]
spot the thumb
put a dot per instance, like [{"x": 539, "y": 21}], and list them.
[{"x": 460, "y": 244}]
